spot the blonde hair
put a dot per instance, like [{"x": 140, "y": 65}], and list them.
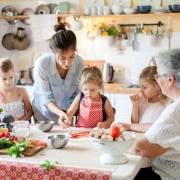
[
  {"x": 6, "y": 65},
  {"x": 148, "y": 75},
  {"x": 92, "y": 75}
]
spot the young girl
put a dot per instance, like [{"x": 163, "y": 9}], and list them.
[
  {"x": 13, "y": 100},
  {"x": 94, "y": 108},
  {"x": 148, "y": 105}
]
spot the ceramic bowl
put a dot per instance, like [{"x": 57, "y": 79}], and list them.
[
  {"x": 117, "y": 9},
  {"x": 45, "y": 126},
  {"x": 143, "y": 9},
  {"x": 112, "y": 151},
  {"x": 129, "y": 10},
  {"x": 58, "y": 141},
  {"x": 174, "y": 8}
]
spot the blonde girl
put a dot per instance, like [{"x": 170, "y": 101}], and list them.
[
  {"x": 94, "y": 109},
  {"x": 148, "y": 105},
  {"x": 13, "y": 100}
]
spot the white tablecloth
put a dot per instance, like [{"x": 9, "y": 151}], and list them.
[{"x": 78, "y": 153}]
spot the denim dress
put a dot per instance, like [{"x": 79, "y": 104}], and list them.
[{"x": 50, "y": 87}]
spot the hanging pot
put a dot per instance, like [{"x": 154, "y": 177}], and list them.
[
  {"x": 27, "y": 12},
  {"x": 8, "y": 41},
  {"x": 51, "y": 7},
  {"x": 63, "y": 8},
  {"x": 10, "y": 11},
  {"x": 21, "y": 41},
  {"x": 42, "y": 9}
]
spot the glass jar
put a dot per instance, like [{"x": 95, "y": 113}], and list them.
[{"x": 21, "y": 128}]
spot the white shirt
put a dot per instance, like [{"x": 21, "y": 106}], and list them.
[
  {"x": 166, "y": 132},
  {"x": 149, "y": 112}
]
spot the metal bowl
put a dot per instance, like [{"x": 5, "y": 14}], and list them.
[
  {"x": 58, "y": 141},
  {"x": 45, "y": 126}
]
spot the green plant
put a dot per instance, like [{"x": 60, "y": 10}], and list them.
[
  {"x": 17, "y": 149},
  {"x": 4, "y": 143},
  {"x": 112, "y": 31},
  {"x": 48, "y": 165},
  {"x": 1, "y": 110}
]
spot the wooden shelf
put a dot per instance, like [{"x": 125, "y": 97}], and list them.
[
  {"x": 14, "y": 17},
  {"x": 156, "y": 15}
]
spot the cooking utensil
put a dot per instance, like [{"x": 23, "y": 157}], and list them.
[
  {"x": 27, "y": 12},
  {"x": 51, "y": 7},
  {"x": 45, "y": 126},
  {"x": 42, "y": 9},
  {"x": 21, "y": 40},
  {"x": 108, "y": 72},
  {"x": 10, "y": 11},
  {"x": 62, "y": 8},
  {"x": 58, "y": 141},
  {"x": 8, "y": 41}
]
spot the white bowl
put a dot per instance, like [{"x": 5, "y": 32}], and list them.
[
  {"x": 129, "y": 10},
  {"x": 117, "y": 9},
  {"x": 112, "y": 151}
]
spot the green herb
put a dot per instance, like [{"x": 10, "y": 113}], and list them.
[
  {"x": 4, "y": 143},
  {"x": 1, "y": 110},
  {"x": 112, "y": 31},
  {"x": 48, "y": 165},
  {"x": 17, "y": 149}
]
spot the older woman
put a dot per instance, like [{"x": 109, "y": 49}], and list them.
[
  {"x": 57, "y": 77},
  {"x": 162, "y": 140}
]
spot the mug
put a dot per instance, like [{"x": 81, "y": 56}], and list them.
[
  {"x": 106, "y": 10},
  {"x": 93, "y": 11}
]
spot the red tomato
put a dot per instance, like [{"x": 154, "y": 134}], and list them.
[
  {"x": 115, "y": 132},
  {"x": 2, "y": 135}
]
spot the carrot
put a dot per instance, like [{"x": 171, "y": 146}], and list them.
[{"x": 80, "y": 134}]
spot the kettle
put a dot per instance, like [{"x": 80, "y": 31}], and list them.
[{"x": 108, "y": 73}]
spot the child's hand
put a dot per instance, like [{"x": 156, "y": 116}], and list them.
[
  {"x": 135, "y": 99},
  {"x": 103, "y": 125}
]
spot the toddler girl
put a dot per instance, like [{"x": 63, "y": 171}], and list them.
[
  {"x": 94, "y": 108},
  {"x": 13, "y": 100}
]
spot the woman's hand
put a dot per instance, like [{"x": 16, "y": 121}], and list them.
[
  {"x": 135, "y": 99},
  {"x": 64, "y": 121}
]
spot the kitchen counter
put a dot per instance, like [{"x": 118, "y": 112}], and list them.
[{"x": 119, "y": 88}]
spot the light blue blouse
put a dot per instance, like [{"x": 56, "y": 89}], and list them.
[{"x": 50, "y": 87}]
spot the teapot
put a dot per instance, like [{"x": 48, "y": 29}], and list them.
[{"x": 108, "y": 73}]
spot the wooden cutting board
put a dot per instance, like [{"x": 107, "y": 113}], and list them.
[{"x": 37, "y": 146}]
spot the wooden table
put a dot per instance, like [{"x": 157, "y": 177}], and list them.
[{"x": 79, "y": 153}]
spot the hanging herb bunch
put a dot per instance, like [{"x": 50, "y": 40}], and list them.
[{"x": 104, "y": 29}]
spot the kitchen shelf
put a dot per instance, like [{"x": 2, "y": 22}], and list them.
[
  {"x": 156, "y": 15},
  {"x": 14, "y": 17}
]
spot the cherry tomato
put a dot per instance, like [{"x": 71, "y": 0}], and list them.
[
  {"x": 12, "y": 138},
  {"x": 115, "y": 132}
]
